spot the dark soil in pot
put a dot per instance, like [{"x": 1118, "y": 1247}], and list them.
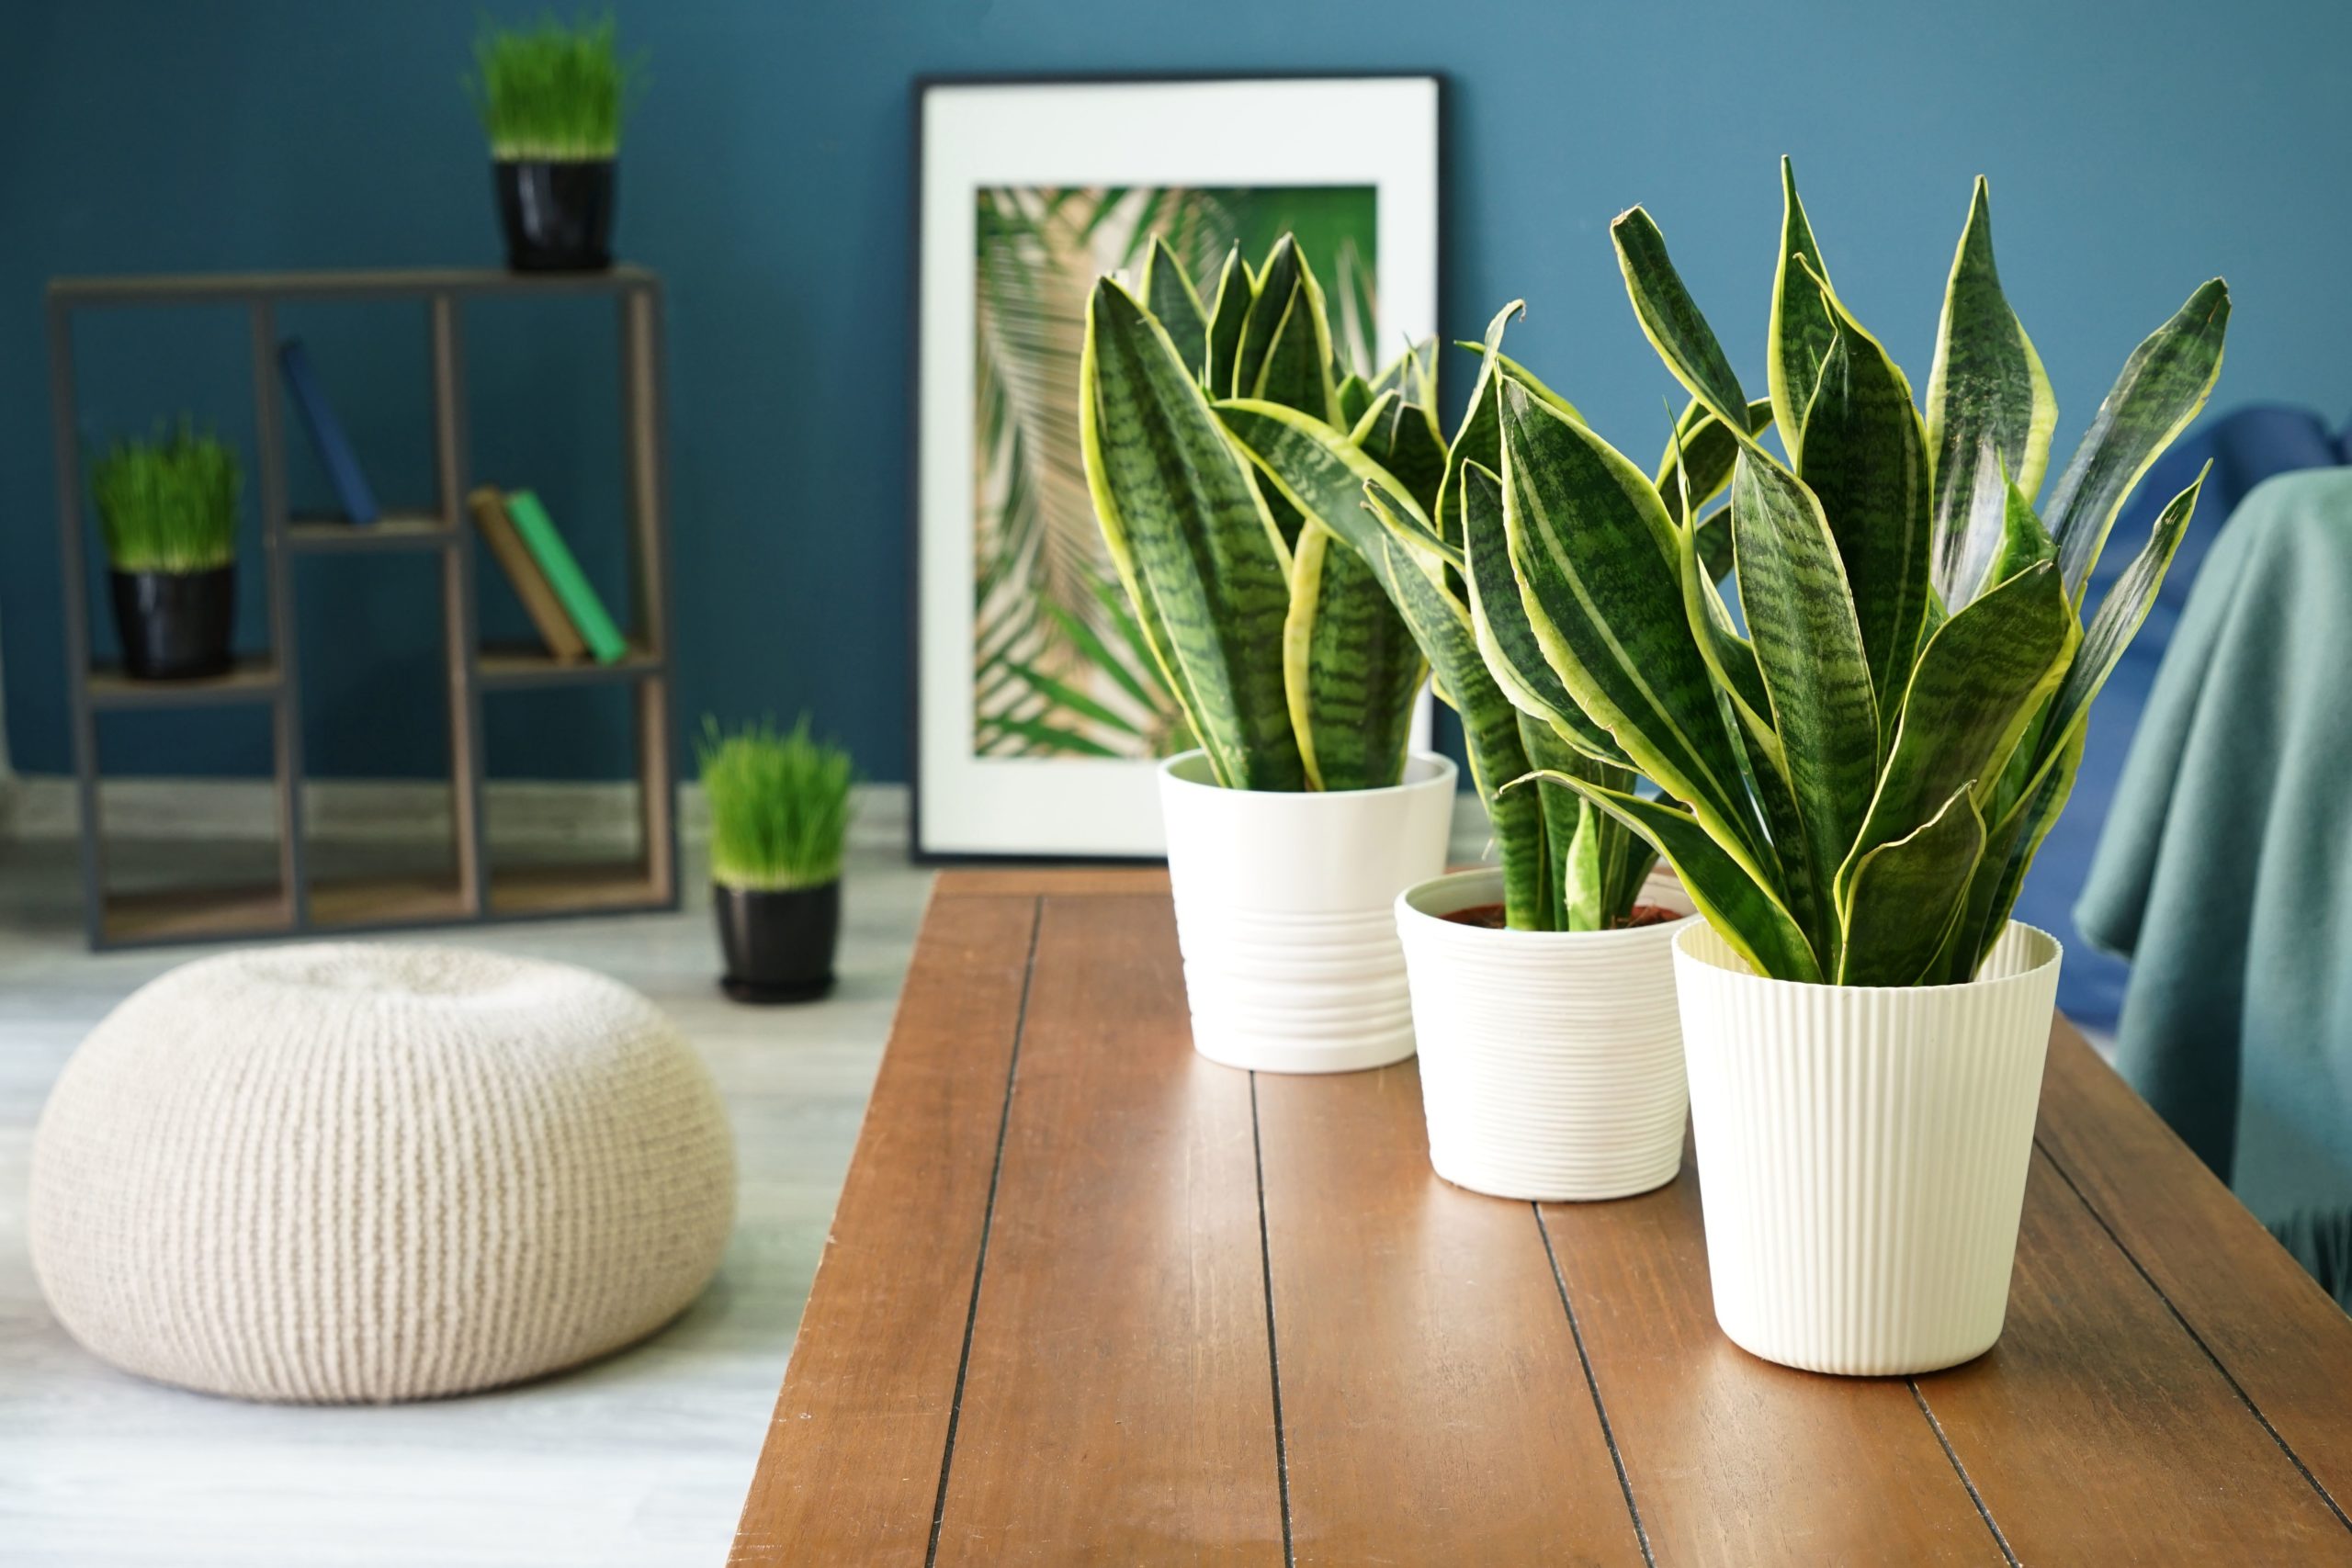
[
  {"x": 176, "y": 625},
  {"x": 778, "y": 944},
  {"x": 1490, "y": 917},
  {"x": 558, "y": 213}
]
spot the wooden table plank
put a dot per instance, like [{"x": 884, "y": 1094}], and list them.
[
  {"x": 1118, "y": 1402},
  {"x": 1434, "y": 1407},
  {"x": 1733, "y": 1460},
  {"x": 1058, "y": 880},
  {"x": 850, "y": 1471},
  {"x": 2098, "y": 1431},
  {"x": 2281, "y": 1337}
]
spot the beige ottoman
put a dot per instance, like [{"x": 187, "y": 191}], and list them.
[{"x": 357, "y": 1172}]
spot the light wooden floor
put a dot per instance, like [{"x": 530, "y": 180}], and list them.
[{"x": 641, "y": 1459}]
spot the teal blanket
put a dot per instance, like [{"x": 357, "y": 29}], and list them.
[{"x": 2224, "y": 873}]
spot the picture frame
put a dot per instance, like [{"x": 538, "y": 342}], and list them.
[{"x": 1037, "y": 728}]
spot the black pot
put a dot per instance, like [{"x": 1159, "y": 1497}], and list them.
[
  {"x": 779, "y": 945},
  {"x": 176, "y": 625},
  {"x": 557, "y": 212}
]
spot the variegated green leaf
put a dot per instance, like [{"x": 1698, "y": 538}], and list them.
[
  {"x": 1440, "y": 623},
  {"x": 1596, "y": 863},
  {"x": 1170, "y": 296},
  {"x": 1979, "y": 680},
  {"x": 1228, "y": 313},
  {"x": 1798, "y": 336},
  {"x": 1479, "y": 439},
  {"x": 1350, "y": 667},
  {"x": 1397, "y": 435},
  {"x": 1908, "y": 896},
  {"x": 1703, "y": 451},
  {"x": 1808, "y": 644},
  {"x": 1355, "y": 398},
  {"x": 1672, "y": 320},
  {"x": 2024, "y": 541},
  {"x": 2010, "y": 848},
  {"x": 1723, "y": 888},
  {"x": 1319, "y": 471},
  {"x": 1986, "y": 394},
  {"x": 1866, "y": 462},
  {"x": 2162, "y": 385},
  {"x": 1505, "y": 639},
  {"x": 1600, "y": 581},
  {"x": 1192, "y": 540}
]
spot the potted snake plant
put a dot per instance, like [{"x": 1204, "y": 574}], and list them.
[
  {"x": 167, "y": 511},
  {"x": 1542, "y": 989},
  {"x": 1301, "y": 816},
  {"x": 779, "y": 819},
  {"x": 1855, "y": 770},
  {"x": 551, "y": 99}
]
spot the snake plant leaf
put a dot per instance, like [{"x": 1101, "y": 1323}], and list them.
[
  {"x": 1711, "y": 536},
  {"x": 1594, "y": 858},
  {"x": 1800, "y": 617},
  {"x": 1909, "y": 895},
  {"x": 1192, "y": 540},
  {"x": 1601, "y": 584},
  {"x": 1170, "y": 296},
  {"x": 1798, "y": 336},
  {"x": 1412, "y": 376},
  {"x": 1350, "y": 667},
  {"x": 1398, "y": 435},
  {"x": 1672, "y": 320},
  {"x": 1479, "y": 438},
  {"x": 1563, "y": 810},
  {"x": 1865, "y": 459},
  {"x": 1355, "y": 398},
  {"x": 1723, "y": 888},
  {"x": 2024, "y": 541},
  {"x": 2162, "y": 387},
  {"x": 1441, "y": 624},
  {"x": 1285, "y": 353},
  {"x": 2118, "y": 621},
  {"x": 2010, "y": 848},
  {"x": 1506, "y": 641},
  {"x": 1319, "y": 471},
  {"x": 1228, "y": 313},
  {"x": 1980, "y": 682},
  {"x": 1702, "y": 448},
  {"x": 1986, "y": 394}
]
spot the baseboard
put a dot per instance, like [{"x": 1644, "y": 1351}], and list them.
[{"x": 537, "y": 815}]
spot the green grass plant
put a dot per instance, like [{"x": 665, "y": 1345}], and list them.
[
  {"x": 168, "y": 504},
  {"x": 779, "y": 804},
  {"x": 552, "y": 91}
]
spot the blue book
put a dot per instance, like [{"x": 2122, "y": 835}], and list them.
[{"x": 326, "y": 433}]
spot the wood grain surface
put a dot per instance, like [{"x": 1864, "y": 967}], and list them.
[{"x": 1225, "y": 1317}]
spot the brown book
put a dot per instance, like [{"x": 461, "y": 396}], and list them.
[{"x": 522, "y": 570}]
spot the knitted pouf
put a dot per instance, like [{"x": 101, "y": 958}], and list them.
[{"x": 349, "y": 1172}]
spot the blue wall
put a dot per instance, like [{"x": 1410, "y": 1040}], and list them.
[{"x": 766, "y": 176}]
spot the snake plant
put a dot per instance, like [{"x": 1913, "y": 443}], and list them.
[
  {"x": 1279, "y": 641},
  {"x": 1188, "y": 519},
  {"x": 1858, "y": 771}
]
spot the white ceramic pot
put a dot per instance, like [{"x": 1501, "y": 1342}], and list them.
[
  {"x": 1283, "y": 911},
  {"x": 1551, "y": 1061},
  {"x": 1862, "y": 1152}
]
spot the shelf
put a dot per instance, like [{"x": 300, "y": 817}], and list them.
[
  {"x": 393, "y": 531},
  {"x": 575, "y": 889},
  {"x": 507, "y": 668},
  {"x": 253, "y": 680},
  {"x": 222, "y": 914},
  {"x": 225, "y": 288},
  {"x": 430, "y": 899}
]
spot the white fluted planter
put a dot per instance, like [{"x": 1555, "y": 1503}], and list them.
[
  {"x": 1283, "y": 911},
  {"x": 1551, "y": 1061},
  {"x": 1862, "y": 1152}
]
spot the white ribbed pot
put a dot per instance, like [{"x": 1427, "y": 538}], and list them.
[
  {"x": 1283, "y": 911},
  {"x": 1862, "y": 1152},
  {"x": 1551, "y": 1061}
]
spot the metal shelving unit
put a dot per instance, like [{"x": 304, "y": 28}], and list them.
[{"x": 473, "y": 890}]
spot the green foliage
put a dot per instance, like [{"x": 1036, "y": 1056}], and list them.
[
  {"x": 779, "y": 804},
  {"x": 550, "y": 91},
  {"x": 1270, "y": 625},
  {"x": 1256, "y": 459},
  {"x": 168, "y": 504},
  {"x": 1855, "y": 784}
]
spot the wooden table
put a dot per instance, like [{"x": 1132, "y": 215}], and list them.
[{"x": 1092, "y": 1299}]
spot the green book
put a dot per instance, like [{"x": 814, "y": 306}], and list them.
[{"x": 604, "y": 641}]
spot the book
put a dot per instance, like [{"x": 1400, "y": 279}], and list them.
[
  {"x": 326, "y": 433},
  {"x": 563, "y": 574},
  {"x": 522, "y": 570}
]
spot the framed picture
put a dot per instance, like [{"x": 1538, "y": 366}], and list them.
[{"x": 1040, "y": 715}]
